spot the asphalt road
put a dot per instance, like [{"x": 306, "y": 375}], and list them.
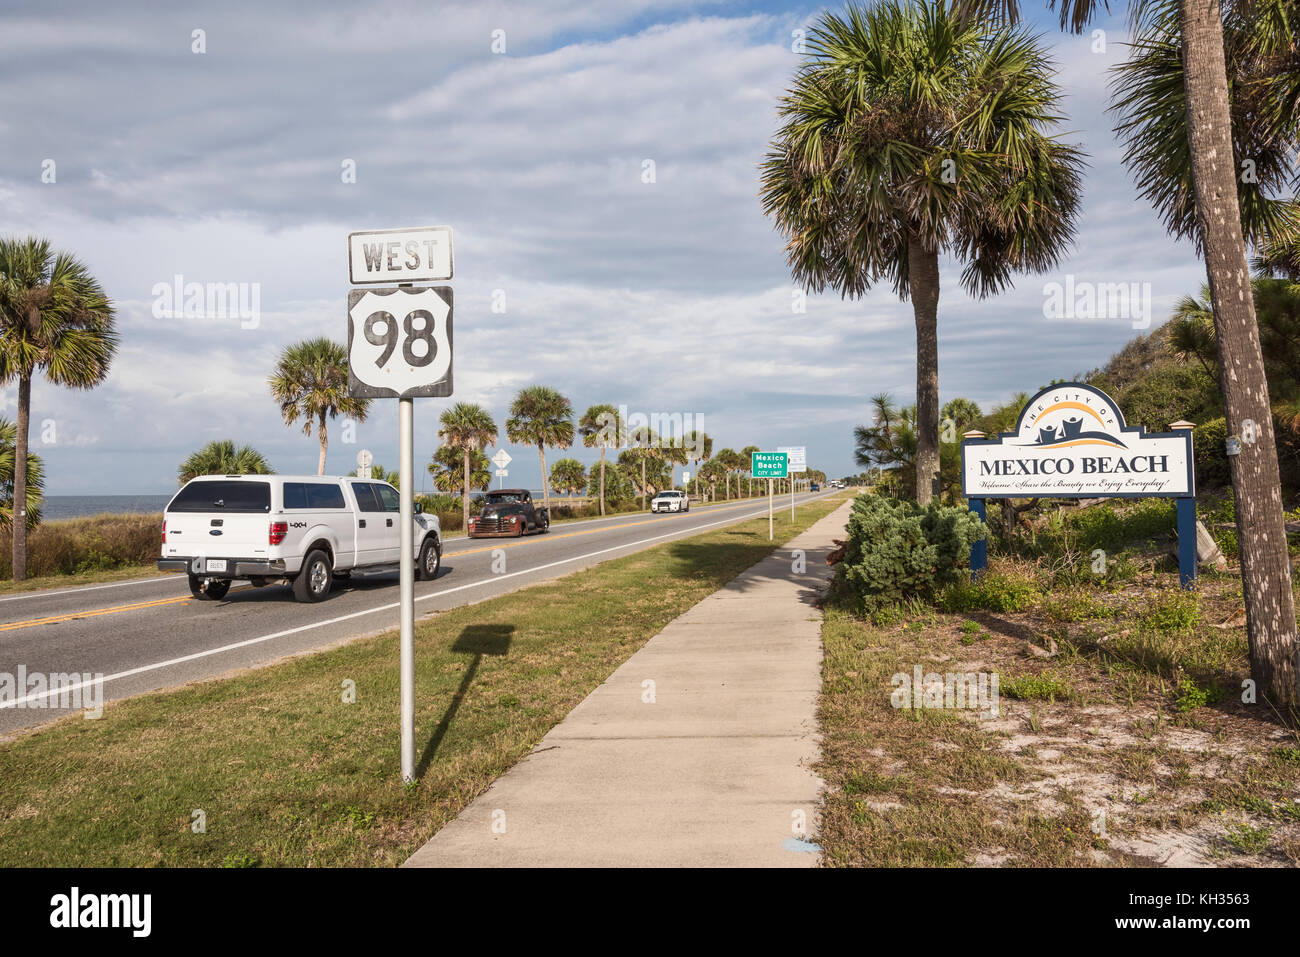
[{"x": 149, "y": 634}]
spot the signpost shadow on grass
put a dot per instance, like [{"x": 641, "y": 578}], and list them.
[{"x": 476, "y": 640}]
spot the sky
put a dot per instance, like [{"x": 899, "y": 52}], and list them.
[{"x": 670, "y": 296}]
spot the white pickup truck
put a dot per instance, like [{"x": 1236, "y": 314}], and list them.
[{"x": 307, "y": 529}]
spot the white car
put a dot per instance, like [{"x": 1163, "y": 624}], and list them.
[
  {"x": 307, "y": 529},
  {"x": 670, "y": 500}
]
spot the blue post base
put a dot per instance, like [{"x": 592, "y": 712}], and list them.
[
  {"x": 1187, "y": 542},
  {"x": 979, "y": 552}
]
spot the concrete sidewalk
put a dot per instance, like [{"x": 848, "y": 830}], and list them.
[{"x": 714, "y": 771}]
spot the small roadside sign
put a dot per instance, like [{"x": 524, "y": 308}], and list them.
[
  {"x": 399, "y": 342},
  {"x": 798, "y": 457},
  {"x": 770, "y": 465},
  {"x": 501, "y": 459},
  {"x": 419, "y": 254}
]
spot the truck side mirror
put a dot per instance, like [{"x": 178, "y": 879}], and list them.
[{"x": 419, "y": 509}]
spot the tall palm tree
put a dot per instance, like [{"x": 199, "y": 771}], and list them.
[
  {"x": 35, "y": 479},
  {"x": 729, "y": 459},
  {"x": 641, "y": 442},
  {"x": 912, "y": 132},
  {"x": 310, "y": 382},
  {"x": 448, "y": 470},
  {"x": 600, "y": 428},
  {"x": 542, "y": 417},
  {"x": 1191, "y": 136},
  {"x": 470, "y": 428},
  {"x": 222, "y": 457},
  {"x": 54, "y": 319},
  {"x": 701, "y": 448}
]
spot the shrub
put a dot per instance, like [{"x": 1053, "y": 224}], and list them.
[
  {"x": 992, "y": 591},
  {"x": 1044, "y": 687},
  {"x": 899, "y": 550},
  {"x": 1171, "y": 611},
  {"x": 97, "y": 543}
]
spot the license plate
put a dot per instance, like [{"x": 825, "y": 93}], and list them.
[{"x": 216, "y": 565}]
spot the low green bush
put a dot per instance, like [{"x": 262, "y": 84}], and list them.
[
  {"x": 898, "y": 551},
  {"x": 992, "y": 591}
]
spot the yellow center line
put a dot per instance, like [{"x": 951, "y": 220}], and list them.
[{"x": 71, "y": 616}]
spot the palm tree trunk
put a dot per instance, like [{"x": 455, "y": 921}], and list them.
[
  {"x": 20, "y": 478},
  {"x": 324, "y": 445},
  {"x": 643, "y": 482},
  {"x": 1261, "y": 534},
  {"x": 464, "y": 493},
  {"x": 923, "y": 278},
  {"x": 546, "y": 480},
  {"x": 602, "y": 480}
]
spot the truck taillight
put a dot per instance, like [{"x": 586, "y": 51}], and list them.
[
  {"x": 278, "y": 531},
  {"x": 164, "y": 541}
]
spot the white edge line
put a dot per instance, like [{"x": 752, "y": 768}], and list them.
[{"x": 68, "y": 689}]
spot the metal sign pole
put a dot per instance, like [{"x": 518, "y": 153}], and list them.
[
  {"x": 406, "y": 472},
  {"x": 768, "y": 510}
]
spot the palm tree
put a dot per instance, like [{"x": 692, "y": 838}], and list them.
[
  {"x": 640, "y": 441},
  {"x": 711, "y": 471},
  {"x": 729, "y": 459},
  {"x": 912, "y": 132},
  {"x": 380, "y": 473},
  {"x": 747, "y": 461},
  {"x": 221, "y": 457},
  {"x": 700, "y": 446},
  {"x": 448, "y": 471},
  {"x": 600, "y": 427},
  {"x": 54, "y": 319},
  {"x": 540, "y": 416},
  {"x": 470, "y": 428},
  {"x": 568, "y": 476},
  {"x": 1191, "y": 136},
  {"x": 310, "y": 382},
  {"x": 35, "y": 479}
]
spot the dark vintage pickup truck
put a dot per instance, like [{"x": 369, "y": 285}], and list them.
[{"x": 508, "y": 511}]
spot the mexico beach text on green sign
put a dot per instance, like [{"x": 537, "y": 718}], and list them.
[{"x": 769, "y": 465}]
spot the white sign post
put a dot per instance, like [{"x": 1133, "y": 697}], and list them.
[
  {"x": 399, "y": 346},
  {"x": 797, "y": 459},
  {"x": 364, "y": 461},
  {"x": 501, "y": 460}
]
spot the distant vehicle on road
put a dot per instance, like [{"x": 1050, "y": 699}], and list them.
[
  {"x": 814, "y": 487},
  {"x": 304, "y": 529},
  {"x": 670, "y": 500},
  {"x": 508, "y": 512}
]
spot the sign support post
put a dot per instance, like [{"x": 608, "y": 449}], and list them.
[
  {"x": 400, "y": 346},
  {"x": 770, "y": 509},
  {"x": 770, "y": 466},
  {"x": 406, "y": 474}
]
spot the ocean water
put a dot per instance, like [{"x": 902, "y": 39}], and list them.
[{"x": 81, "y": 506}]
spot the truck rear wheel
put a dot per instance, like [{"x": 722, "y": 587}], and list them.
[
  {"x": 314, "y": 580},
  {"x": 209, "y": 589}
]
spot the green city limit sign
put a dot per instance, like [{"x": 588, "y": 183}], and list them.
[{"x": 769, "y": 465}]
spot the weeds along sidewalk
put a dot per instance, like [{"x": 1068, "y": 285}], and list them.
[{"x": 697, "y": 751}]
